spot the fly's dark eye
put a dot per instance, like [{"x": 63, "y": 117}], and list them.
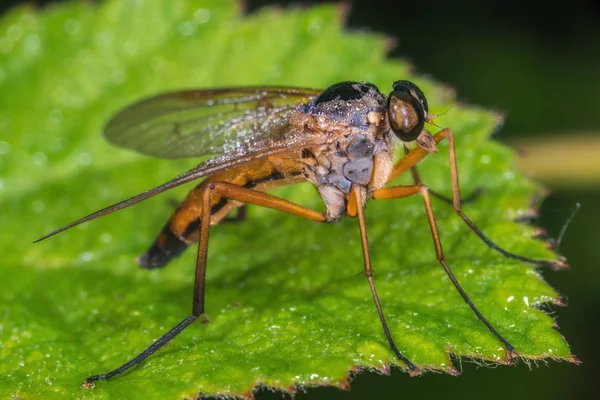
[{"x": 407, "y": 110}]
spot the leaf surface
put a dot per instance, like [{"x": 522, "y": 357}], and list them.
[{"x": 288, "y": 304}]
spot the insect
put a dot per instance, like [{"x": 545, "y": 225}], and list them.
[{"x": 341, "y": 140}]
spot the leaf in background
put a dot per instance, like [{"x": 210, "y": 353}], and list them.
[{"x": 287, "y": 306}]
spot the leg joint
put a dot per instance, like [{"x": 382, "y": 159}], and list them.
[{"x": 446, "y": 133}]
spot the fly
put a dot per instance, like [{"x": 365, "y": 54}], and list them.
[{"x": 341, "y": 140}]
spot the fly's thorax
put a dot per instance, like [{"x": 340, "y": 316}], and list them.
[
  {"x": 343, "y": 108},
  {"x": 353, "y": 159},
  {"x": 357, "y": 145},
  {"x": 351, "y": 118},
  {"x": 356, "y": 159}
]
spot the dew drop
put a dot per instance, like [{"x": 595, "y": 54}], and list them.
[
  {"x": 55, "y": 116},
  {"x": 86, "y": 256},
  {"x": 14, "y": 33},
  {"x": 32, "y": 43},
  {"x": 186, "y": 28},
  {"x": 71, "y": 26},
  {"x": 202, "y": 16},
  {"x": 84, "y": 159},
  {"x": 509, "y": 175},
  {"x": 4, "y": 147},
  {"x": 315, "y": 27},
  {"x": 39, "y": 158}
]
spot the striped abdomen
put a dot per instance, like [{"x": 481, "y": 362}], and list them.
[{"x": 183, "y": 227}]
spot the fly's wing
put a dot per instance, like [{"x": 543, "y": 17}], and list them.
[
  {"x": 206, "y": 168},
  {"x": 207, "y": 122},
  {"x": 235, "y": 125}
]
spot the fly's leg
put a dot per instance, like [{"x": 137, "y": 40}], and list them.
[
  {"x": 417, "y": 179},
  {"x": 197, "y": 306},
  {"x": 239, "y": 217},
  {"x": 396, "y": 192},
  {"x": 412, "y": 369},
  {"x": 415, "y": 155},
  {"x": 233, "y": 192}
]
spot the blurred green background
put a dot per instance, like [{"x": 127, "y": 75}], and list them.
[{"x": 540, "y": 65}]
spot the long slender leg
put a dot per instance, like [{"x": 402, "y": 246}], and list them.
[
  {"x": 233, "y": 192},
  {"x": 197, "y": 306},
  {"x": 415, "y": 155},
  {"x": 417, "y": 179},
  {"x": 413, "y": 370},
  {"x": 395, "y": 192}
]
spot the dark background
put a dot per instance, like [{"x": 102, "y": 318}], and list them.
[{"x": 540, "y": 64}]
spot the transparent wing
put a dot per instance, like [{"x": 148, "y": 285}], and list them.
[
  {"x": 209, "y": 167},
  {"x": 208, "y": 122}
]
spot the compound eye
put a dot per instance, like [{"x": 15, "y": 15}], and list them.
[{"x": 406, "y": 115}]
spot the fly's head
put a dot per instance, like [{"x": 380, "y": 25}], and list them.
[{"x": 407, "y": 112}]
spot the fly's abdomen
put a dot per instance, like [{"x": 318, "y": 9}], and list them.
[
  {"x": 183, "y": 228},
  {"x": 166, "y": 247}
]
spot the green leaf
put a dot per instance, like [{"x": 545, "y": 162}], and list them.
[{"x": 288, "y": 304}]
